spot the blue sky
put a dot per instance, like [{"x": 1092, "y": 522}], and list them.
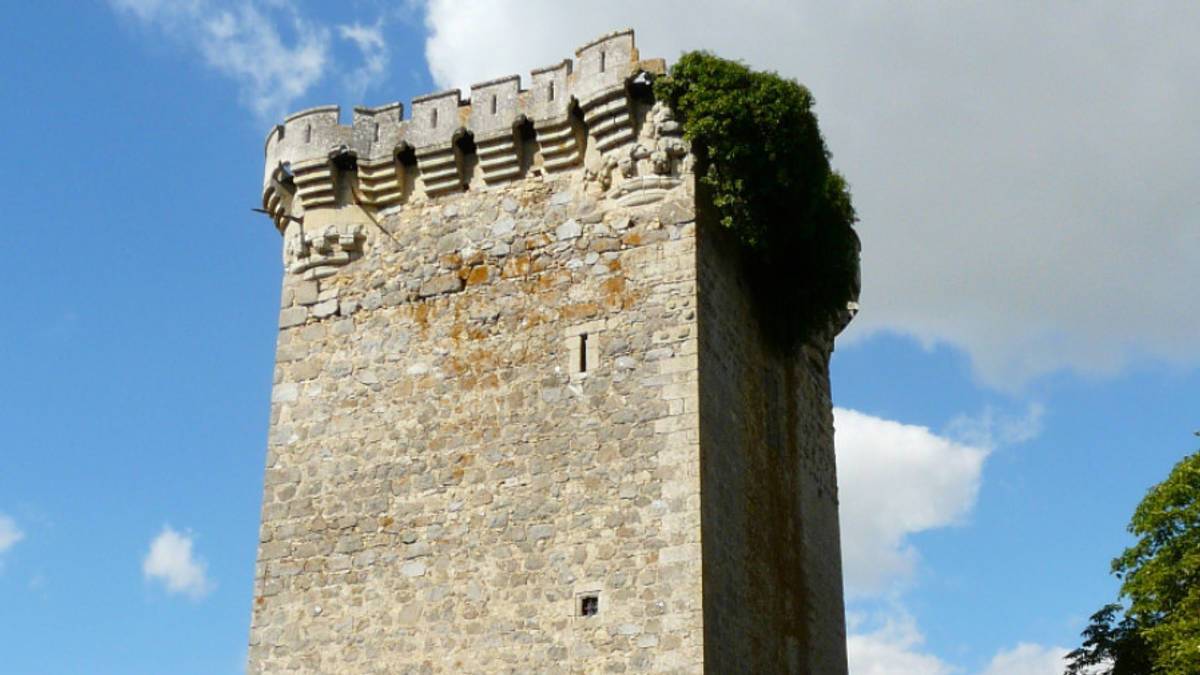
[{"x": 1023, "y": 369}]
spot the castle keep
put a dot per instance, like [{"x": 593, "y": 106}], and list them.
[{"x": 524, "y": 419}]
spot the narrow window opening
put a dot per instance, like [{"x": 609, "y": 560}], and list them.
[
  {"x": 307, "y": 133},
  {"x": 551, "y": 91},
  {"x": 602, "y": 59},
  {"x": 377, "y": 132},
  {"x": 589, "y": 605},
  {"x": 433, "y": 119},
  {"x": 583, "y": 364},
  {"x": 493, "y": 104}
]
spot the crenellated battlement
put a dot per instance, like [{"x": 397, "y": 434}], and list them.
[{"x": 498, "y": 134}]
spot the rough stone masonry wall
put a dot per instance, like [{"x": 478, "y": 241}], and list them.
[
  {"x": 441, "y": 488},
  {"x": 772, "y": 555}
]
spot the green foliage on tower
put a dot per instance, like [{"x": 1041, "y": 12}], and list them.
[
  {"x": 1160, "y": 573},
  {"x": 763, "y": 163}
]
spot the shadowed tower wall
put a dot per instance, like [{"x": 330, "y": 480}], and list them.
[{"x": 520, "y": 420}]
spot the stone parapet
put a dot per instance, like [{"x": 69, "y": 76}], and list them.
[{"x": 496, "y": 118}]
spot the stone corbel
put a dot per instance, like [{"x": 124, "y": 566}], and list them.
[
  {"x": 609, "y": 118},
  {"x": 441, "y": 169},
  {"x": 319, "y": 254},
  {"x": 314, "y": 181},
  {"x": 559, "y": 142},
  {"x": 381, "y": 181},
  {"x": 652, "y": 166}
]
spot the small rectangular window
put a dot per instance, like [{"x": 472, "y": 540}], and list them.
[
  {"x": 581, "y": 349},
  {"x": 589, "y": 605}
]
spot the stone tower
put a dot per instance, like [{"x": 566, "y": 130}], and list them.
[{"x": 523, "y": 418}]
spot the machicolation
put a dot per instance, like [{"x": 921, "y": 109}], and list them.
[{"x": 566, "y": 103}]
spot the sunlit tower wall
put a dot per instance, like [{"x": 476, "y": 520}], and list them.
[{"x": 523, "y": 417}]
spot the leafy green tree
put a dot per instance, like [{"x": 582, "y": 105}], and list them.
[
  {"x": 1159, "y": 632},
  {"x": 763, "y": 163},
  {"x": 1110, "y": 646}
]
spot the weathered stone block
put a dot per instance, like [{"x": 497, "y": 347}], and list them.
[
  {"x": 306, "y": 293},
  {"x": 440, "y": 284},
  {"x": 325, "y": 309},
  {"x": 568, "y": 230},
  {"x": 293, "y": 316}
]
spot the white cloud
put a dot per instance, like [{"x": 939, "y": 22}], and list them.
[
  {"x": 896, "y": 647},
  {"x": 991, "y": 429},
  {"x": 243, "y": 42},
  {"x": 1028, "y": 659},
  {"x": 1024, "y": 172},
  {"x": 10, "y": 534},
  {"x": 170, "y": 560},
  {"x": 893, "y": 648},
  {"x": 895, "y": 480},
  {"x": 373, "y": 48}
]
